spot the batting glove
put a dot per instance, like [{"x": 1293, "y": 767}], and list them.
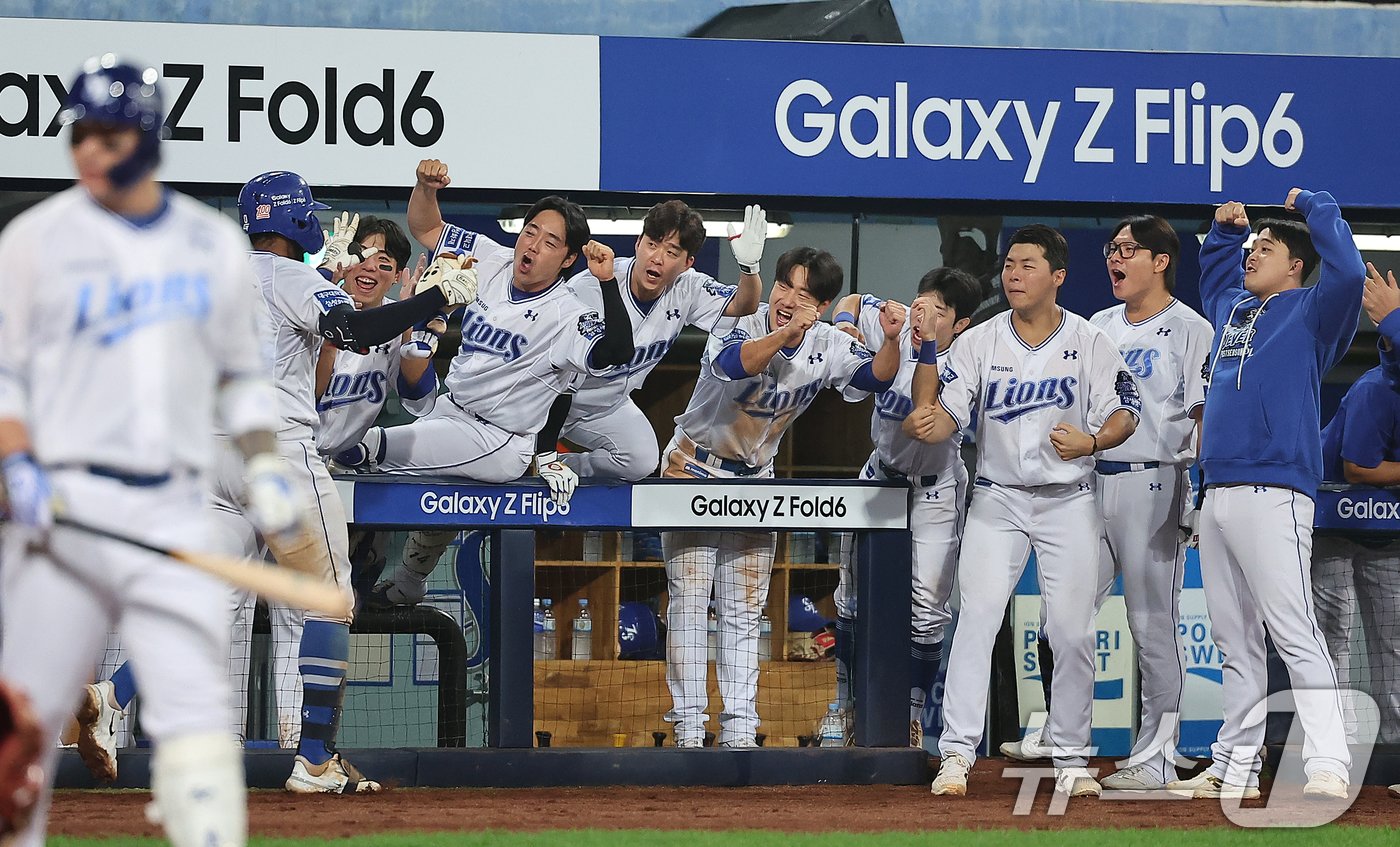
[
  {"x": 341, "y": 251},
  {"x": 561, "y": 478},
  {"x": 27, "y": 492},
  {"x": 274, "y": 508},
  {"x": 748, "y": 245},
  {"x": 457, "y": 284},
  {"x": 423, "y": 341}
]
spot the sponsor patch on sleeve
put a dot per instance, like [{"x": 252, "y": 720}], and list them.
[
  {"x": 948, "y": 375},
  {"x": 715, "y": 288},
  {"x": 329, "y": 298},
  {"x": 456, "y": 240},
  {"x": 1127, "y": 390},
  {"x": 590, "y": 326}
]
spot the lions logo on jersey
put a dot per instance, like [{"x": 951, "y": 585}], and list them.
[
  {"x": 478, "y": 334},
  {"x": 1005, "y": 404},
  {"x": 120, "y": 307},
  {"x": 1141, "y": 359}
]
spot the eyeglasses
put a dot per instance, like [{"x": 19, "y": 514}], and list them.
[{"x": 1126, "y": 249}]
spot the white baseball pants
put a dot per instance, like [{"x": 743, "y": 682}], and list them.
[
  {"x": 1256, "y": 551},
  {"x": 620, "y": 443},
  {"x": 1062, "y": 524}
]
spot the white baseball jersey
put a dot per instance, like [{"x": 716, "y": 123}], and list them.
[
  {"x": 519, "y": 350},
  {"x": 1167, "y": 353},
  {"x": 744, "y": 419},
  {"x": 909, "y": 456},
  {"x": 1019, "y": 393},
  {"x": 96, "y": 309},
  {"x": 296, "y": 296},
  {"x": 694, "y": 298},
  {"x": 356, "y": 393}
]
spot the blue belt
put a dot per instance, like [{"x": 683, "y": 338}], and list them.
[
  {"x": 730, "y": 465},
  {"x": 139, "y": 480},
  {"x": 924, "y": 481},
  {"x": 1108, "y": 468}
]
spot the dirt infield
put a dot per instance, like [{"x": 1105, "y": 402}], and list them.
[{"x": 821, "y": 808}]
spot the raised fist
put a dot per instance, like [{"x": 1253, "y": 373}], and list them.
[{"x": 432, "y": 174}]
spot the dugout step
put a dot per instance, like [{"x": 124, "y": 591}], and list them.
[{"x": 532, "y": 767}]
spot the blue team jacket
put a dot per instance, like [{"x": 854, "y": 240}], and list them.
[{"x": 1263, "y": 416}]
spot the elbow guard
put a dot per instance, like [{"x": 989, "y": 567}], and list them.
[{"x": 336, "y": 327}]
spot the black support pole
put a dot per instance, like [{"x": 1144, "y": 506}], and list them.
[
  {"x": 883, "y": 613},
  {"x": 511, "y": 699}
]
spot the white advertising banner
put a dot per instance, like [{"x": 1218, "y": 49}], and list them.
[
  {"x": 339, "y": 106},
  {"x": 743, "y": 505}
]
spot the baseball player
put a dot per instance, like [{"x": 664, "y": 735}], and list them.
[
  {"x": 526, "y": 339},
  {"x": 1356, "y": 582},
  {"x": 1261, "y": 462},
  {"x": 129, "y": 318},
  {"x": 306, "y": 309},
  {"x": 666, "y": 294},
  {"x": 1050, "y": 390},
  {"x": 1142, "y": 485},
  {"x": 937, "y": 474},
  {"x": 753, "y": 384}
]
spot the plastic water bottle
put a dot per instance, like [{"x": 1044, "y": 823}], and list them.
[
  {"x": 549, "y": 633},
  {"x": 539, "y": 629},
  {"x": 765, "y": 638},
  {"x": 712, "y": 630},
  {"x": 583, "y": 633},
  {"x": 832, "y": 731}
]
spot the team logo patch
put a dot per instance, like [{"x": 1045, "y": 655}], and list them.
[
  {"x": 737, "y": 335},
  {"x": 860, "y": 352},
  {"x": 329, "y": 298},
  {"x": 590, "y": 325},
  {"x": 715, "y": 288},
  {"x": 1126, "y": 388},
  {"x": 948, "y": 375},
  {"x": 263, "y": 212}
]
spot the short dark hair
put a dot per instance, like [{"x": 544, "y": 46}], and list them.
[
  {"x": 576, "y": 232},
  {"x": 676, "y": 216},
  {"x": 1047, "y": 239},
  {"x": 825, "y": 279},
  {"x": 1296, "y": 237},
  {"x": 395, "y": 241},
  {"x": 959, "y": 289},
  {"x": 1156, "y": 235}
]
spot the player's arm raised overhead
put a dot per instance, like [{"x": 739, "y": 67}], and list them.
[
  {"x": 424, "y": 217},
  {"x": 1222, "y": 275},
  {"x": 615, "y": 347},
  {"x": 930, "y": 420},
  {"x": 1381, "y": 300},
  {"x": 748, "y": 252},
  {"x": 1334, "y": 303}
]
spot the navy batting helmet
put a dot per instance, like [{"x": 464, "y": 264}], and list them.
[
  {"x": 109, "y": 91},
  {"x": 280, "y": 202}
]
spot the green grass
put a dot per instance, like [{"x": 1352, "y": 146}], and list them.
[{"x": 1331, "y": 836}]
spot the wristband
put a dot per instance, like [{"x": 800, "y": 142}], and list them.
[
  {"x": 928, "y": 352},
  {"x": 845, "y": 317},
  {"x": 751, "y": 270}
]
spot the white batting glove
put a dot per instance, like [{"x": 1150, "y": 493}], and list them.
[
  {"x": 338, "y": 256},
  {"x": 274, "y": 507},
  {"x": 423, "y": 341},
  {"x": 454, "y": 276},
  {"x": 748, "y": 245},
  {"x": 560, "y": 477}
]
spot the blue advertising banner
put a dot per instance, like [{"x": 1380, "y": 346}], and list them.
[{"x": 860, "y": 120}]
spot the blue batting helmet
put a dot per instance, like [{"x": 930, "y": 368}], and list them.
[
  {"x": 115, "y": 93},
  {"x": 638, "y": 636},
  {"x": 280, "y": 202}
]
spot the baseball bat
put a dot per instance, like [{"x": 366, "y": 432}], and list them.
[{"x": 274, "y": 583}]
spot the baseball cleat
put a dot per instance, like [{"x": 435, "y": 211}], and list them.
[
  {"x": 1207, "y": 786},
  {"x": 1028, "y": 749},
  {"x": 690, "y": 743},
  {"x": 952, "y": 776},
  {"x": 1133, "y": 778},
  {"x": 743, "y": 743},
  {"x": 97, "y": 731},
  {"x": 1076, "y": 782},
  {"x": 1325, "y": 785},
  {"x": 1394, "y": 790},
  {"x": 334, "y": 776},
  {"x": 387, "y": 595}
]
